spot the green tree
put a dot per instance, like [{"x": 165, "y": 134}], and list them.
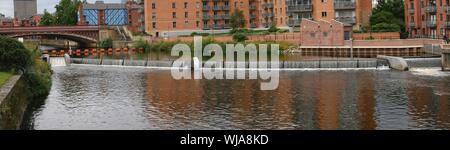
[
  {"x": 13, "y": 55},
  {"x": 47, "y": 19},
  {"x": 389, "y": 15},
  {"x": 66, "y": 13},
  {"x": 237, "y": 20}
]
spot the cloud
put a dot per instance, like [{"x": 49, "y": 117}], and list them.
[{"x": 7, "y": 6}]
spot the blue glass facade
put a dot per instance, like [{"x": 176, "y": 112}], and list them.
[
  {"x": 112, "y": 16},
  {"x": 91, "y": 16},
  {"x": 116, "y": 17}
]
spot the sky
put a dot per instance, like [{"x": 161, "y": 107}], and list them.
[{"x": 7, "y": 8}]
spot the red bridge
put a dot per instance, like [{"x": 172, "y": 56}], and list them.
[{"x": 81, "y": 34}]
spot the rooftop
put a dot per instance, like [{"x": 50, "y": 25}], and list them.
[{"x": 102, "y": 5}]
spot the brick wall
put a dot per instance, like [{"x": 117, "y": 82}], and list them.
[{"x": 380, "y": 35}]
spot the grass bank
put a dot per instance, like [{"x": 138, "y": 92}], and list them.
[{"x": 4, "y": 76}]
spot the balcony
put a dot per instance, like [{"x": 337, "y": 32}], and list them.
[
  {"x": 252, "y": 7},
  {"x": 447, "y": 24},
  {"x": 206, "y": 27},
  {"x": 252, "y": 16},
  {"x": 267, "y": 25},
  {"x": 225, "y": 7},
  {"x": 430, "y": 9},
  {"x": 344, "y": 5},
  {"x": 267, "y": 15},
  {"x": 346, "y": 19},
  {"x": 446, "y": 8},
  {"x": 206, "y": 17},
  {"x": 206, "y": 8},
  {"x": 253, "y": 25},
  {"x": 412, "y": 24},
  {"x": 217, "y": 26},
  {"x": 217, "y": 8},
  {"x": 411, "y": 11},
  {"x": 300, "y": 8},
  {"x": 267, "y": 5},
  {"x": 217, "y": 17},
  {"x": 431, "y": 24},
  {"x": 227, "y": 26},
  {"x": 226, "y": 16}
]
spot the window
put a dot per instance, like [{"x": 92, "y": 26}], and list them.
[
  {"x": 324, "y": 14},
  {"x": 197, "y": 5},
  {"x": 174, "y": 15},
  {"x": 153, "y": 15},
  {"x": 441, "y": 17},
  {"x": 154, "y": 25},
  {"x": 174, "y": 24},
  {"x": 186, "y": 15},
  {"x": 186, "y": 22},
  {"x": 323, "y": 1},
  {"x": 185, "y": 5},
  {"x": 197, "y": 24},
  {"x": 153, "y": 6},
  {"x": 197, "y": 14},
  {"x": 173, "y": 5}
]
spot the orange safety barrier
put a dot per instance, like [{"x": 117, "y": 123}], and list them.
[
  {"x": 78, "y": 52},
  {"x": 125, "y": 50},
  {"x": 86, "y": 52},
  {"x": 53, "y": 53},
  {"x": 110, "y": 51},
  {"x": 94, "y": 52},
  {"x": 45, "y": 52},
  {"x": 61, "y": 53},
  {"x": 141, "y": 50},
  {"x": 117, "y": 51}
]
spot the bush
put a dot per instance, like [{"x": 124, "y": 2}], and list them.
[
  {"x": 13, "y": 55},
  {"x": 239, "y": 37},
  {"x": 106, "y": 43},
  {"x": 142, "y": 44}
]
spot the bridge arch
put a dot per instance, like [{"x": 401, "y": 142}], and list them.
[{"x": 83, "y": 40}]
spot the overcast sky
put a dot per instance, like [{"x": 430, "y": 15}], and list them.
[{"x": 7, "y": 8}]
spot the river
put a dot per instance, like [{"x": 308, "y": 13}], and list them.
[{"x": 95, "y": 97}]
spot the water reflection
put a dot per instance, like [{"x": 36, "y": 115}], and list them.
[{"x": 85, "y": 97}]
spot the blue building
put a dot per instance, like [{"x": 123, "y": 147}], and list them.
[{"x": 100, "y": 13}]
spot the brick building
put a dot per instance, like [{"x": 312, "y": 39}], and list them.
[
  {"x": 209, "y": 15},
  {"x": 136, "y": 22},
  {"x": 353, "y": 13},
  {"x": 427, "y": 18}
]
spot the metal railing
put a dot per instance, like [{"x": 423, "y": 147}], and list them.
[
  {"x": 267, "y": 15},
  {"x": 206, "y": 8},
  {"x": 430, "y": 9},
  {"x": 431, "y": 24},
  {"x": 267, "y": 5},
  {"x": 344, "y": 5},
  {"x": 348, "y": 20},
  {"x": 412, "y": 24},
  {"x": 300, "y": 8}
]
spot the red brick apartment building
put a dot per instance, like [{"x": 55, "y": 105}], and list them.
[
  {"x": 209, "y": 15},
  {"x": 427, "y": 18}
]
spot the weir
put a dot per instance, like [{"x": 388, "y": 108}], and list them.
[{"x": 372, "y": 63}]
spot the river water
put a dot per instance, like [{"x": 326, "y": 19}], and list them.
[{"x": 96, "y": 97}]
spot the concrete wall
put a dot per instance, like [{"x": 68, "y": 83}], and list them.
[{"x": 14, "y": 100}]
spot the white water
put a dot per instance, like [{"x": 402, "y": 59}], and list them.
[{"x": 57, "y": 61}]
